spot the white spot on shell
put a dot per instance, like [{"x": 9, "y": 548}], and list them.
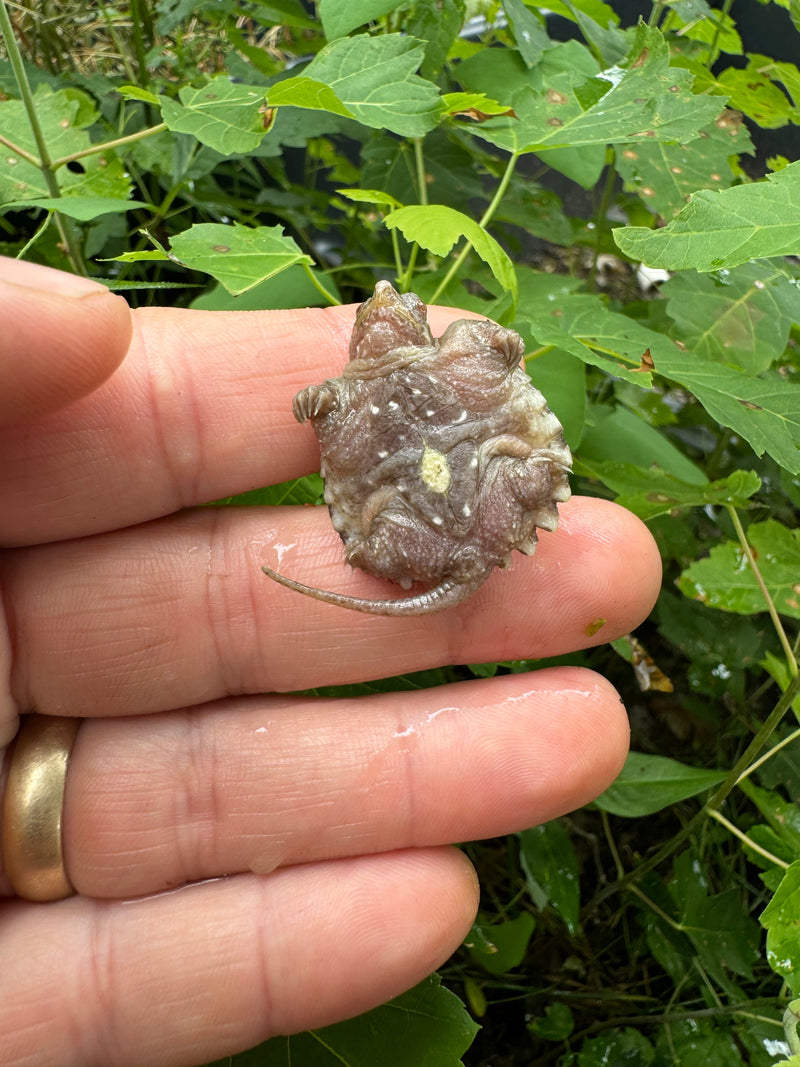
[
  {"x": 382, "y": 455},
  {"x": 461, "y": 417},
  {"x": 437, "y": 520},
  {"x": 376, "y": 410},
  {"x": 393, "y": 405},
  {"x": 466, "y": 510},
  {"x": 473, "y": 462}
]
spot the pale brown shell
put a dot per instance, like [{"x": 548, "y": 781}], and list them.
[{"x": 439, "y": 456}]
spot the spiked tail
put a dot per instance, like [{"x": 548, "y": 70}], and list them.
[{"x": 444, "y": 595}]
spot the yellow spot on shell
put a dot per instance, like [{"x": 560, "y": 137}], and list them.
[
  {"x": 434, "y": 470},
  {"x": 593, "y": 627}
]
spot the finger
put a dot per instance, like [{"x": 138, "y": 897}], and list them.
[
  {"x": 178, "y": 612},
  {"x": 62, "y": 337},
  {"x": 251, "y": 785},
  {"x": 187, "y": 977},
  {"x": 200, "y": 409}
]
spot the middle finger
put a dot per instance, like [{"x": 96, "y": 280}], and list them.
[
  {"x": 177, "y": 612},
  {"x": 254, "y": 784}
]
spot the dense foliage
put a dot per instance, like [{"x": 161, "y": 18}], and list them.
[{"x": 226, "y": 153}]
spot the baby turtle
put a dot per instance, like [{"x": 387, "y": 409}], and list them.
[{"x": 439, "y": 455}]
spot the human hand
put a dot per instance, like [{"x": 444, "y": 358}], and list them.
[{"x": 248, "y": 865}]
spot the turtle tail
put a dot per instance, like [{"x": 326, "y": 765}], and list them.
[{"x": 444, "y": 595}]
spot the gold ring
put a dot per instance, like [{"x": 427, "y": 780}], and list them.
[{"x": 33, "y": 805}]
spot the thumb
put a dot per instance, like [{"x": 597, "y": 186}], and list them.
[{"x": 60, "y": 337}]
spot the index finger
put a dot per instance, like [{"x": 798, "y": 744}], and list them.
[{"x": 199, "y": 409}]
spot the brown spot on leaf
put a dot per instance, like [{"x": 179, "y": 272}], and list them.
[
  {"x": 554, "y": 122},
  {"x": 641, "y": 59},
  {"x": 220, "y": 248},
  {"x": 555, "y": 97},
  {"x": 647, "y": 363}
]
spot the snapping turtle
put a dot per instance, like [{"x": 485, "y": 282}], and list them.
[{"x": 439, "y": 455}]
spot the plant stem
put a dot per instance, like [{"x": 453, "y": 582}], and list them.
[
  {"x": 27, "y": 156},
  {"x": 483, "y": 222},
  {"x": 766, "y": 730},
  {"x": 66, "y": 229},
  {"x": 773, "y": 614},
  {"x": 602, "y": 213},
  {"x": 107, "y": 145},
  {"x": 319, "y": 286},
  {"x": 729, "y": 826},
  {"x": 718, "y": 17},
  {"x": 422, "y": 186},
  {"x": 793, "y": 736}
]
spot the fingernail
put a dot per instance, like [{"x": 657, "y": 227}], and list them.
[{"x": 46, "y": 279}]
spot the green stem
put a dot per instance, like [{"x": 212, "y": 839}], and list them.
[
  {"x": 483, "y": 223},
  {"x": 790, "y": 1020},
  {"x": 138, "y": 15},
  {"x": 330, "y": 297},
  {"x": 422, "y": 187},
  {"x": 766, "y": 730},
  {"x": 793, "y": 736},
  {"x": 27, "y": 156},
  {"x": 602, "y": 214},
  {"x": 712, "y": 48},
  {"x": 118, "y": 44},
  {"x": 68, "y": 235},
  {"x": 108, "y": 145},
  {"x": 773, "y": 614},
  {"x": 732, "y": 829}
]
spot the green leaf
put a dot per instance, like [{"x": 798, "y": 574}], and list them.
[
  {"x": 628, "y": 1047},
  {"x": 223, "y": 114},
  {"x": 306, "y": 93},
  {"x": 742, "y": 316},
  {"x": 64, "y": 117},
  {"x": 648, "y": 784},
  {"x": 284, "y": 13},
  {"x": 306, "y": 490},
  {"x": 437, "y": 228},
  {"x": 700, "y": 1043},
  {"x": 134, "y": 92},
  {"x": 724, "y": 229},
  {"x": 83, "y": 208},
  {"x": 648, "y": 101},
  {"x": 764, "y": 412},
  {"x": 370, "y": 196},
  {"x": 426, "y": 1027},
  {"x": 556, "y": 1024},
  {"x": 664, "y": 174},
  {"x": 548, "y": 858},
  {"x": 724, "y": 579},
  {"x": 499, "y": 947},
  {"x": 375, "y": 79},
  {"x": 615, "y": 436},
  {"x": 237, "y": 256},
  {"x": 779, "y": 670},
  {"x": 339, "y": 17},
  {"x": 529, "y": 32},
  {"x": 648, "y": 491},
  {"x": 782, "y": 816},
  {"x": 752, "y": 92},
  {"x": 437, "y": 25},
  {"x": 781, "y": 919}
]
